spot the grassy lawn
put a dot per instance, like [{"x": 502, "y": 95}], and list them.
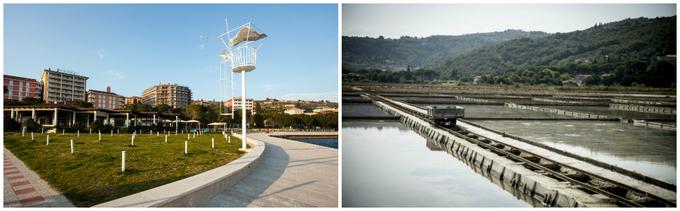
[{"x": 92, "y": 174}]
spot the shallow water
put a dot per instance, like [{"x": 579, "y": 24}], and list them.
[
  {"x": 332, "y": 143},
  {"x": 386, "y": 164},
  {"x": 361, "y": 109},
  {"x": 499, "y": 111},
  {"x": 648, "y": 151},
  {"x": 602, "y": 110}
]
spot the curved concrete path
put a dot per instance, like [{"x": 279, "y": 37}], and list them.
[{"x": 289, "y": 174}]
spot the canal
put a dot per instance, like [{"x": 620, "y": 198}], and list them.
[
  {"x": 649, "y": 151},
  {"x": 387, "y": 164}
]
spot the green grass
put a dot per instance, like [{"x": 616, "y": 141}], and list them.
[{"x": 92, "y": 174}]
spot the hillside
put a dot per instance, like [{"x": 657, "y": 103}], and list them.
[
  {"x": 627, "y": 52},
  {"x": 397, "y": 54}
]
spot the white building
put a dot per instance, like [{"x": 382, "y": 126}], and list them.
[
  {"x": 324, "y": 109},
  {"x": 237, "y": 103},
  {"x": 294, "y": 111}
]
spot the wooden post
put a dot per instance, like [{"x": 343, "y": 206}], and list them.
[
  {"x": 213, "y": 143},
  {"x": 90, "y": 130},
  {"x": 71, "y": 146},
  {"x": 111, "y": 132},
  {"x": 133, "y": 140},
  {"x": 78, "y": 133},
  {"x": 48, "y": 140},
  {"x": 157, "y": 134},
  {"x": 188, "y": 136},
  {"x": 122, "y": 164},
  {"x": 32, "y": 137},
  {"x": 23, "y": 131},
  {"x": 100, "y": 135},
  {"x": 166, "y": 138},
  {"x": 229, "y": 139},
  {"x": 63, "y": 131},
  {"x": 186, "y": 147}
]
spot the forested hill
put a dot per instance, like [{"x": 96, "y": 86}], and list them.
[
  {"x": 397, "y": 54},
  {"x": 624, "y": 52}
]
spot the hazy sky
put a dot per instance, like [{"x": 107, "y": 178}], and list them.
[
  {"x": 395, "y": 20},
  {"x": 133, "y": 47}
]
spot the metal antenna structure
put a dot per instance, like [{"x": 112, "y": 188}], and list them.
[{"x": 240, "y": 51}]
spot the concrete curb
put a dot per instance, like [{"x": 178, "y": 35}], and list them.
[{"x": 192, "y": 190}]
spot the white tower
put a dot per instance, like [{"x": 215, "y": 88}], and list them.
[{"x": 241, "y": 52}]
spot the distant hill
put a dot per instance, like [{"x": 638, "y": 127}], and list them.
[
  {"x": 398, "y": 54},
  {"x": 626, "y": 52}
]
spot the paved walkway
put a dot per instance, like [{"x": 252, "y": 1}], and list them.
[
  {"x": 289, "y": 174},
  {"x": 24, "y": 188}
]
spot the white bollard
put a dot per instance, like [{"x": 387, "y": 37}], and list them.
[
  {"x": 188, "y": 136},
  {"x": 133, "y": 140},
  {"x": 157, "y": 134},
  {"x": 229, "y": 139},
  {"x": 118, "y": 131},
  {"x": 63, "y": 131},
  {"x": 122, "y": 164},
  {"x": 100, "y": 135},
  {"x": 186, "y": 147},
  {"x": 111, "y": 132},
  {"x": 71, "y": 146},
  {"x": 78, "y": 133},
  {"x": 194, "y": 134},
  {"x": 23, "y": 131},
  {"x": 166, "y": 138},
  {"x": 32, "y": 138},
  {"x": 48, "y": 140},
  {"x": 213, "y": 143},
  {"x": 90, "y": 130}
]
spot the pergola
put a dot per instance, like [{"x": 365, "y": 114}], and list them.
[
  {"x": 217, "y": 125},
  {"x": 187, "y": 122}
]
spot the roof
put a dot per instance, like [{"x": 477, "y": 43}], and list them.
[
  {"x": 17, "y": 77},
  {"x": 104, "y": 92},
  {"x": 58, "y": 71},
  {"x": 65, "y": 106}
]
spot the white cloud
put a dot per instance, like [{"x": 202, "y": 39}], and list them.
[
  {"x": 115, "y": 75},
  {"x": 201, "y": 46},
  {"x": 330, "y": 96},
  {"x": 101, "y": 53}
]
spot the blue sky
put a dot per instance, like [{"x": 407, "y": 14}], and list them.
[
  {"x": 132, "y": 47},
  {"x": 396, "y": 20}
]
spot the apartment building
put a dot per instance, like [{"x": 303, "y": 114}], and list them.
[
  {"x": 133, "y": 100},
  {"x": 237, "y": 102},
  {"x": 105, "y": 99},
  {"x": 18, "y": 88},
  {"x": 174, "y": 95},
  {"x": 61, "y": 85}
]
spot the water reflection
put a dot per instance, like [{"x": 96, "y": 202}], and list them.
[
  {"x": 651, "y": 152},
  {"x": 361, "y": 109},
  {"x": 386, "y": 164},
  {"x": 499, "y": 111},
  {"x": 615, "y": 113}
]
